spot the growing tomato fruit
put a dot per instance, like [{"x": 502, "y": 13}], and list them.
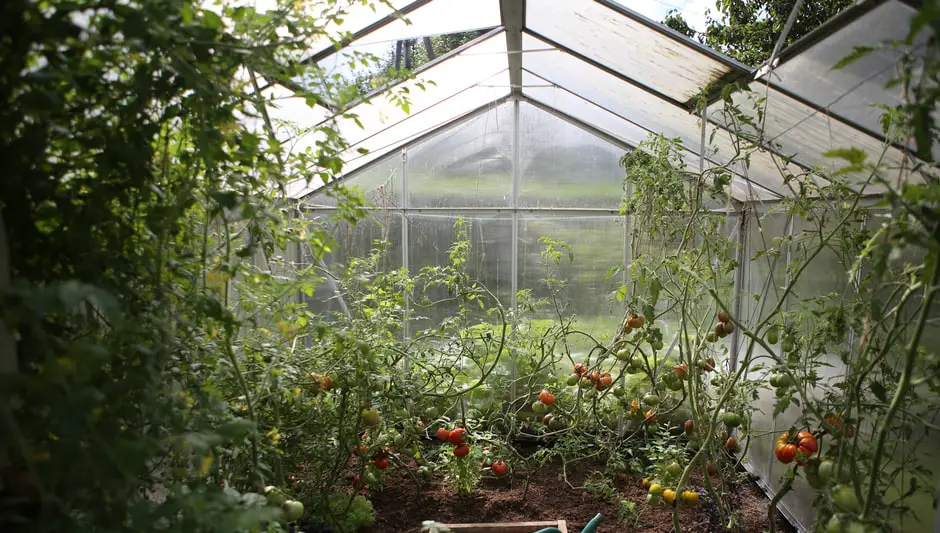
[
  {"x": 732, "y": 420},
  {"x": 689, "y": 426},
  {"x": 604, "y": 381},
  {"x": 443, "y": 434},
  {"x": 646, "y": 483},
  {"x": 461, "y": 450},
  {"x": 844, "y": 498},
  {"x": 356, "y": 482},
  {"x": 546, "y": 397},
  {"x": 772, "y": 335},
  {"x": 711, "y": 469},
  {"x": 274, "y": 495},
  {"x": 720, "y": 329},
  {"x": 293, "y": 510},
  {"x": 785, "y": 452},
  {"x": 499, "y": 468},
  {"x": 711, "y": 336},
  {"x": 732, "y": 445},
  {"x": 572, "y": 380},
  {"x": 826, "y": 470},
  {"x": 836, "y": 425},
  {"x": 681, "y": 370},
  {"x": 319, "y": 383},
  {"x": 636, "y": 321},
  {"x": 674, "y": 468},
  {"x": 728, "y": 328},
  {"x": 669, "y": 496},
  {"x": 580, "y": 369},
  {"x": 370, "y": 417},
  {"x": 431, "y": 413},
  {"x": 656, "y": 489},
  {"x": 539, "y": 407},
  {"x": 457, "y": 435},
  {"x": 689, "y": 498},
  {"x": 380, "y": 462},
  {"x": 623, "y": 354},
  {"x": 651, "y": 399},
  {"x": 722, "y": 316},
  {"x": 650, "y": 416},
  {"x": 594, "y": 376}
]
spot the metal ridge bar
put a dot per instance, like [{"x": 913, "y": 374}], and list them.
[
  {"x": 596, "y": 64},
  {"x": 674, "y": 35},
  {"x": 480, "y": 211},
  {"x": 332, "y": 49},
  {"x": 648, "y": 130},
  {"x": 512, "y": 15},
  {"x": 441, "y": 128}
]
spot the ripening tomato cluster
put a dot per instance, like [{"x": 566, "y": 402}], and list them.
[
  {"x": 456, "y": 437},
  {"x": 800, "y": 448}
]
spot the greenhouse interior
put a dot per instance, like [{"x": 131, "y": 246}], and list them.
[{"x": 470, "y": 265}]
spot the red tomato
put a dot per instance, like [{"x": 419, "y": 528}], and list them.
[
  {"x": 443, "y": 434},
  {"x": 499, "y": 468},
  {"x": 381, "y": 464},
  {"x": 546, "y": 397},
  {"x": 785, "y": 452},
  {"x": 461, "y": 450},
  {"x": 580, "y": 369},
  {"x": 594, "y": 376},
  {"x": 681, "y": 370},
  {"x": 457, "y": 435},
  {"x": 650, "y": 416},
  {"x": 636, "y": 322},
  {"x": 603, "y": 382},
  {"x": 689, "y": 426}
]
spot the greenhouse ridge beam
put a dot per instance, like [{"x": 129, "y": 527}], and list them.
[{"x": 512, "y": 13}]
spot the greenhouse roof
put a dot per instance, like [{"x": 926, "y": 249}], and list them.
[{"x": 621, "y": 76}]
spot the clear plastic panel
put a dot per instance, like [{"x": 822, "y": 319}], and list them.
[
  {"x": 353, "y": 16},
  {"x": 290, "y": 113},
  {"x": 596, "y": 244},
  {"x": 852, "y": 90},
  {"x": 601, "y": 119},
  {"x": 651, "y": 58},
  {"x": 642, "y": 108},
  {"x": 564, "y": 166},
  {"x": 380, "y": 184},
  {"x": 469, "y": 165},
  {"x": 430, "y": 238}
]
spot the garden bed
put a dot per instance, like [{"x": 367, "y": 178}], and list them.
[{"x": 403, "y": 506}]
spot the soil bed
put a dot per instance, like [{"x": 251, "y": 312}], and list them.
[{"x": 402, "y": 506}]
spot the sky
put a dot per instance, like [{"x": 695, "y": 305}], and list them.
[{"x": 693, "y": 11}]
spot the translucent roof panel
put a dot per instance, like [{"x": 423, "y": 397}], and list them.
[
  {"x": 438, "y": 17},
  {"x": 606, "y": 122},
  {"x": 640, "y": 107},
  {"x": 380, "y": 184},
  {"x": 452, "y": 88},
  {"x": 290, "y": 112},
  {"x": 563, "y": 165},
  {"x": 352, "y": 16},
  {"x": 606, "y": 35},
  {"x": 805, "y": 133},
  {"x": 850, "y": 91}
]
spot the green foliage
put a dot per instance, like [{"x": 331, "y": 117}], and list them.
[{"x": 346, "y": 513}]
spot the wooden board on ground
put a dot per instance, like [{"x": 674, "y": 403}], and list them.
[{"x": 505, "y": 527}]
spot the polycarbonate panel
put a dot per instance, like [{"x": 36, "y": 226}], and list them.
[
  {"x": 469, "y": 165},
  {"x": 651, "y": 58},
  {"x": 430, "y": 238},
  {"x": 644, "y": 109},
  {"x": 380, "y": 184},
  {"x": 352, "y": 16},
  {"x": 438, "y": 17},
  {"x": 801, "y": 132},
  {"x": 289, "y": 113},
  {"x": 440, "y": 94},
  {"x": 565, "y": 166},
  {"x": 596, "y": 245},
  {"x": 852, "y": 90},
  {"x": 353, "y": 241}
]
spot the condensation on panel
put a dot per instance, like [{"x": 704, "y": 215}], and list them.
[
  {"x": 564, "y": 166},
  {"x": 469, "y": 165}
]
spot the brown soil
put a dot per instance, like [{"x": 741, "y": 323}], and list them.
[{"x": 403, "y": 505}]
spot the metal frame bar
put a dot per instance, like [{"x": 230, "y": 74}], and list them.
[{"x": 512, "y": 15}]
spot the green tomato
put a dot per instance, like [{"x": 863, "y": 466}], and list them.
[
  {"x": 651, "y": 399},
  {"x": 652, "y": 429},
  {"x": 674, "y": 385},
  {"x": 826, "y": 470},
  {"x": 844, "y": 498},
  {"x": 772, "y": 335},
  {"x": 572, "y": 380},
  {"x": 431, "y": 413},
  {"x": 732, "y": 419},
  {"x": 674, "y": 469},
  {"x": 658, "y": 345},
  {"x": 788, "y": 345},
  {"x": 711, "y": 337},
  {"x": 618, "y": 392},
  {"x": 293, "y": 510},
  {"x": 370, "y": 417},
  {"x": 274, "y": 496},
  {"x": 623, "y": 354},
  {"x": 539, "y": 408}
]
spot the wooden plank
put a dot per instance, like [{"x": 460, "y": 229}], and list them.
[{"x": 505, "y": 527}]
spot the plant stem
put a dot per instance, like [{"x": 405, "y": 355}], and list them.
[
  {"x": 904, "y": 382},
  {"x": 772, "y": 508}
]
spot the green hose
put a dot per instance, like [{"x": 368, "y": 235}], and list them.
[{"x": 591, "y": 526}]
